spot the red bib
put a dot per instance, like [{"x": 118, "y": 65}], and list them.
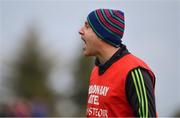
[{"x": 107, "y": 95}]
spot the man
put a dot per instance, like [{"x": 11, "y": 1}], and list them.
[{"x": 121, "y": 84}]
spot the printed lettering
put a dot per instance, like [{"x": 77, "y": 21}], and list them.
[
  {"x": 97, "y": 112},
  {"x": 93, "y": 99},
  {"x": 98, "y": 90}
]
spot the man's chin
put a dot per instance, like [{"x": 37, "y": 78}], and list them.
[{"x": 87, "y": 54}]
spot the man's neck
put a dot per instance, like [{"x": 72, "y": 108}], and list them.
[{"x": 106, "y": 53}]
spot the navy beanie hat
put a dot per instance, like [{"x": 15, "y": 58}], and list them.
[{"x": 108, "y": 25}]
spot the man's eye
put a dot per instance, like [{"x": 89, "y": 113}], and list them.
[{"x": 86, "y": 25}]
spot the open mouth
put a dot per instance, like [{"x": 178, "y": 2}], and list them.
[
  {"x": 84, "y": 46},
  {"x": 83, "y": 40}
]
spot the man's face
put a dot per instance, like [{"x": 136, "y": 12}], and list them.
[{"x": 91, "y": 41}]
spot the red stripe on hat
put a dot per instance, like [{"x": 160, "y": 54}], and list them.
[
  {"x": 113, "y": 20},
  {"x": 107, "y": 25},
  {"x": 119, "y": 15}
]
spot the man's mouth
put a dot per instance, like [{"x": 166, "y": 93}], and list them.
[
  {"x": 83, "y": 40},
  {"x": 84, "y": 46}
]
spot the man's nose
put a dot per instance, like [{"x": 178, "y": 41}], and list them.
[{"x": 81, "y": 31}]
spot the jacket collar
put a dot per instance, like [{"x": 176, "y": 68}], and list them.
[{"x": 117, "y": 55}]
